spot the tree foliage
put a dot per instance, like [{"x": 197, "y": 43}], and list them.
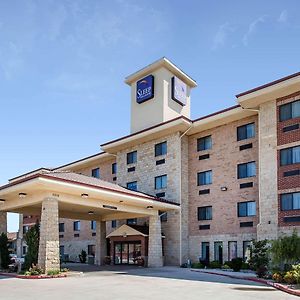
[
  {"x": 4, "y": 251},
  {"x": 32, "y": 239},
  {"x": 259, "y": 259},
  {"x": 286, "y": 250}
]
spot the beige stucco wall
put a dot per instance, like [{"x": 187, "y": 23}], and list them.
[{"x": 159, "y": 109}]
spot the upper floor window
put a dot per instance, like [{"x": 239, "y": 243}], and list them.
[
  {"x": 76, "y": 226},
  {"x": 289, "y": 111},
  {"x": 114, "y": 168},
  {"x": 246, "y": 132},
  {"x": 204, "y": 213},
  {"x": 25, "y": 229},
  {"x": 93, "y": 225},
  {"x": 131, "y": 221},
  {"x": 61, "y": 227},
  {"x": 132, "y": 185},
  {"x": 247, "y": 209},
  {"x": 247, "y": 170},
  {"x": 290, "y": 156},
  {"x": 96, "y": 173},
  {"x": 160, "y": 182},
  {"x": 204, "y": 143},
  {"x": 161, "y": 149},
  {"x": 131, "y": 157},
  {"x": 204, "y": 178},
  {"x": 114, "y": 223},
  {"x": 290, "y": 201}
]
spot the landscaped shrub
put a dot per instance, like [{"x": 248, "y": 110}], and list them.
[
  {"x": 245, "y": 266},
  {"x": 277, "y": 277},
  {"x": 34, "y": 270},
  {"x": 228, "y": 263},
  {"x": 286, "y": 251},
  {"x": 4, "y": 252},
  {"x": 53, "y": 272},
  {"x": 32, "y": 238},
  {"x": 259, "y": 257},
  {"x": 296, "y": 273},
  {"x": 236, "y": 264},
  {"x": 225, "y": 267},
  {"x": 214, "y": 264},
  {"x": 289, "y": 277},
  {"x": 197, "y": 265},
  {"x": 82, "y": 256}
]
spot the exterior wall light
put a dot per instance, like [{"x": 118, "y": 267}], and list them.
[
  {"x": 22, "y": 195},
  {"x": 2, "y": 200},
  {"x": 84, "y": 196},
  {"x": 150, "y": 207},
  {"x": 90, "y": 212},
  {"x": 223, "y": 188}
]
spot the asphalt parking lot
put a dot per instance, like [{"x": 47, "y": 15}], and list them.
[{"x": 138, "y": 283}]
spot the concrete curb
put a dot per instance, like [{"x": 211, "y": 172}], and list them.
[
  {"x": 33, "y": 276},
  {"x": 278, "y": 286}
]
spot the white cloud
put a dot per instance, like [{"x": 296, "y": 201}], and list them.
[
  {"x": 253, "y": 27},
  {"x": 283, "y": 17},
  {"x": 222, "y": 35}
]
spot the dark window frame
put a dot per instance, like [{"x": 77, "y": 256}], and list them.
[
  {"x": 61, "y": 227},
  {"x": 206, "y": 212},
  {"x": 287, "y": 153},
  {"x": 131, "y": 157},
  {"x": 96, "y": 173},
  {"x": 204, "y": 143},
  {"x": 239, "y": 176},
  {"x": 199, "y": 177},
  {"x": 131, "y": 183},
  {"x": 289, "y": 110},
  {"x": 292, "y": 204},
  {"x": 242, "y": 132},
  {"x": 76, "y": 226},
  {"x": 161, "y": 149},
  {"x": 247, "y": 213},
  {"x": 156, "y": 186},
  {"x": 114, "y": 168}
]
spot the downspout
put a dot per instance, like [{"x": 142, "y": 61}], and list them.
[{"x": 180, "y": 217}]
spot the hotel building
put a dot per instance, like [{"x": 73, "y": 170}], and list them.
[{"x": 174, "y": 188}]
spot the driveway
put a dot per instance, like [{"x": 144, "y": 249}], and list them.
[{"x": 138, "y": 283}]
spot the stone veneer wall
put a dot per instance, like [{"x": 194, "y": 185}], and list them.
[
  {"x": 268, "y": 204},
  {"x": 146, "y": 171},
  {"x": 3, "y": 222},
  {"x": 224, "y": 157}
]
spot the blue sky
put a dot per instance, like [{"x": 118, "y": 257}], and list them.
[{"x": 63, "y": 64}]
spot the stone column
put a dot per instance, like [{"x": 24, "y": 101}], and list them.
[
  {"x": 49, "y": 236},
  {"x": 100, "y": 242},
  {"x": 3, "y": 222},
  {"x": 155, "y": 258}
]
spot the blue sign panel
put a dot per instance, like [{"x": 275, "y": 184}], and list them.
[
  {"x": 179, "y": 91},
  {"x": 145, "y": 89}
]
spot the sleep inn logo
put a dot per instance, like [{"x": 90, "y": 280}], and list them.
[{"x": 145, "y": 89}]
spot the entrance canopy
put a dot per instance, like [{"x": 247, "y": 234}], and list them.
[{"x": 79, "y": 197}]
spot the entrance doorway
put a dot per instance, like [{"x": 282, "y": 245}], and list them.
[
  {"x": 219, "y": 252},
  {"x": 126, "y": 253}
]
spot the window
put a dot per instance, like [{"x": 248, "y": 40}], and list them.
[
  {"x": 131, "y": 221},
  {"x": 204, "y": 143},
  {"x": 160, "y": 182},
  {"x": 205, "y": 251},
  {"x": 232, "y": 250},
  {"x": 113, "y": 223},
  {"x": 61, "y": 227},
  {"x": 290, "y": 201},
  {"x": 246, "y": 132},
  {"x": 131, "y": 157},
  {"x": 24, "y": 250},
  {"x": 290, "y": 156},
  {"x": 204, "y": 213},
  {"x": 62, "y": 251},
  {"x": 247, "y": 170},
  {"x": 161, "y": 149},
  {"x": 114, "y": 168},
  {"x": 204, "y": 178},
  {"x": 93, "y": 225},
  {"x": 218, "y": 253},
  {"x": 132, "y": 185},
  {"x": 25, "y": 229},
  {"x": 289, "y": 111},
  {"x": 246, "y": 209},
  {"x": 246, "y": 250},
  {"x": 76, "y": 226},
  {"x": 91, "y": 250},
  {"x": 96, "y": 173}
]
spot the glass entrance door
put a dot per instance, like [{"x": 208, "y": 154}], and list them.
[{"x": 126, "y": 252}]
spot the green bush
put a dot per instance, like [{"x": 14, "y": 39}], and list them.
[
  {"x": 296, "y": 273},
  {"x": 259, "y": 257},
  {"x": 225, "y": 267},
  {"x": 53, "y": 272},
  {"x": 214, "y": 264},
  {"x": 277, "y": 277},
  {"x": 33, "y": 271},
  {"x": 197, "y": 265},
  {"x": 32, "y": 238},
  {"x": 64, "y": 270},
  {"x": 245, "y": 266},
  {"x": 4, "y": 252},
  {"x": 82, "y": 256},
  {"x": 289, "y": 277},
  {"x": 236, "y": 264}
]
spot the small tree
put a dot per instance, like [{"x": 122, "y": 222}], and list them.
[
  {"x": 286, "y": 250},
  {"x": 4, "y": 252},
  {"x": 32, "y": 239},
  {"x": 259, "y": 259}
]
